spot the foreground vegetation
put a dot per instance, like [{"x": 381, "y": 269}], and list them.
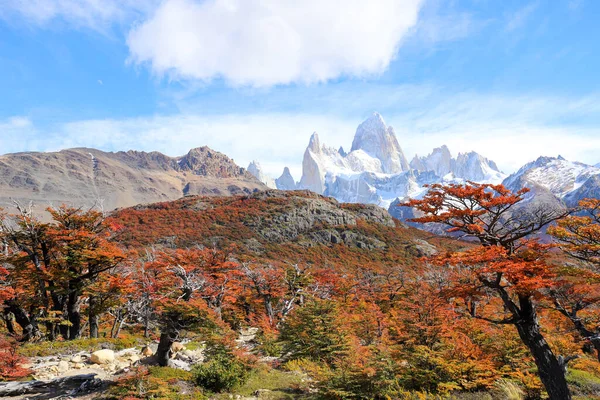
[{"x": 378, "y": 316}]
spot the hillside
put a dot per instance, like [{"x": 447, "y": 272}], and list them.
[
  {"x": 297, "y": 226},
  {"x": 84, "y": 177}
]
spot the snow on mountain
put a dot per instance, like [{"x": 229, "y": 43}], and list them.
[
  {"x": 376, "y": 170},
  {"x": 379, "y": 141},
  {"x": 569, "y": 181},
  {"x": 439, "y": 161},
  {"x": 467, "y": 166},
  {"x": 474, "y": 167},
  {"x": 255, "y": 169},
  {"x": 286, "y": 180}
]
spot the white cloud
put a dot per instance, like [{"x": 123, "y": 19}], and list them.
[
  {"x": 92, "y": 14},
  {"x": 270, "y": 42},
  {"x": 511, "y": 130}
]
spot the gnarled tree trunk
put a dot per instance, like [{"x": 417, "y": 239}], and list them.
[{"x": 551, "y": 371}]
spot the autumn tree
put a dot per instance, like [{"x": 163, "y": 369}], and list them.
[
  {"x": 51, "y": 265},
  {"x": 280, "y": 287},
  {"x": 504, "y": 266},
  {"x": 190, "y": 287},
  {"x": 578, "y": 295}
]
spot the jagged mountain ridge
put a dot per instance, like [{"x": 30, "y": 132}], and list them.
[
  {"x": 376, "y": 170},
  {"x": 86, "y": 177},
  {"x": 557, "y": 179},
  {"x": 256, "y": 170}
]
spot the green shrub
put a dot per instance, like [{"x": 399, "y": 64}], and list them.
[
  {"x": 154, "y": 383},
  {"x": 220, "y": 374},
  {"x": 223, "y": 371},
  {"x": 315, "y": 332}
]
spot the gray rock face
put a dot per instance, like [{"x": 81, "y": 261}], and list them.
[{"x": 317, "y": 219}]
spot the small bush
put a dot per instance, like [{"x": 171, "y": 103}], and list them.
[
  {"x": 220, "y": 374},
  {"x": 223, "y": 371},
  {"x": 10, "y": 362},
  {"x": 154, "y": 383},
  {"x": 507, "y": 390}
]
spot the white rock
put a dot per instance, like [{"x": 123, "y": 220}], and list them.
[
  {"x": 177, "y": 346},
  {"x": 78, "y": 358},
  {"x": 104, "y": 356},
  {"x": 63, "y": 366}
]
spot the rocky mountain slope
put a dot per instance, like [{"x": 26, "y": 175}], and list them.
[
  {"x": 84, "y": 177},
  {"x": 275, "y": 225},
  {"x": 556, "y": 180}
]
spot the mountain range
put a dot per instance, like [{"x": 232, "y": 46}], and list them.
[
  {"x": 376, "y": 171},
  {"x": 84, "y": 177}
]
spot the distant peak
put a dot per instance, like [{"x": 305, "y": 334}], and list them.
[
  {"x": 561, "y": 158},
  {"x": 375, "y": 121},
  {"x": 314, "y": 144}
]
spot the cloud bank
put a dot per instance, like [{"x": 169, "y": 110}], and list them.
[{"x": 272, "y": 42}]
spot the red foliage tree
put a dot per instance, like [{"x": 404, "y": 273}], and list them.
[
  {"x": 577, "y": 297},
  {"x": 504, "y": 266}
]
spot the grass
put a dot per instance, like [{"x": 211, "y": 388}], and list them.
[
  {"x": 44, "y": 349},
  {"x": 281, "y": 385},
  {"x": 584, "y": 385},
  {"x": 155, "y": 383}
]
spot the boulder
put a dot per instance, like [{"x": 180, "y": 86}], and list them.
[
  {"x": 63, "y": 366},
  {"x": 104, "y": 356},
  {"x": 177, "y": 347},
  {"x": 77, "y": 358},
  {"x": 147, "y": 351}
]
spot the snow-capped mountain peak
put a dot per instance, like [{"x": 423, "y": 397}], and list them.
[
  {"x": 376, "y": 171},
  {"x": 314, "y": 144},
  {"x": 255, "y": 169},
  {"x": 286, "y": 180},
  {"x": 378, "y": 140},
  {"x": 568, "y": 180}
]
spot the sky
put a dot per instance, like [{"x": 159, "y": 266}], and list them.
[{"x": 512, "y": 80}]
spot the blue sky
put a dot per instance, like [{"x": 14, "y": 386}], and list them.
[{"x": 510, "y": 79}]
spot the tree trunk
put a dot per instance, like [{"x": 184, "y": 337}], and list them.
[
  {"x": 8, "y": 320},
  {"x": 594, "y": 338},
  {"x": 146, "y": 325},
  {"x": 550, "y": 370},
  {"x": 167, "y": 338},
  {"x": 93, "y": 318},
  {"x": 74, "y": 315},
  {"x": 28, "y": 325}
]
